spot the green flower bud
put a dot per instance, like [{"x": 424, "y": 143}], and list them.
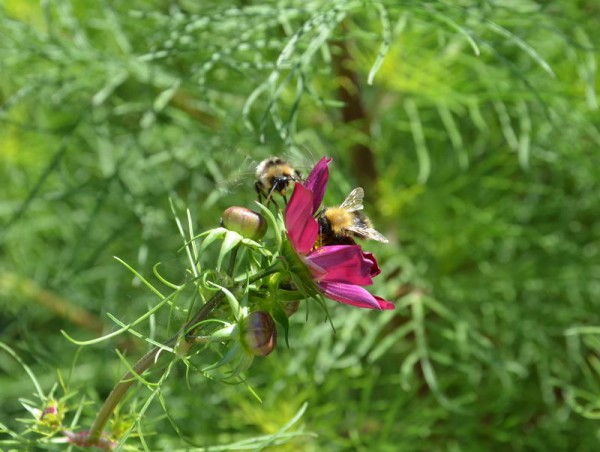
[
  {"x": 259, "y": 334},
  {"x": 53, "y": 414},
  {"x": 245, "y": 222}
]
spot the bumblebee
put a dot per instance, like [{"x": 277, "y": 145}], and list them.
[
  {"x": 340, "y": 225},
  {"x": 274, "y": 175}
]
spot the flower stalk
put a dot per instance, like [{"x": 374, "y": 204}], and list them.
[
  {"x": 144, "y": 363},
  {"x": 119, "y": 391}
]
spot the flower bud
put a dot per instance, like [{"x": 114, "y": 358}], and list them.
[
  {"x": 245, "y": 222},
  {"x": 53, "y": 414},
  {"x": 259, "y": 334}
]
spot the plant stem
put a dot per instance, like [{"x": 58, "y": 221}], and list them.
[
  {"x": 150, "y": 358},
  {"x": 120, "y": 390},
  {"x": 263, "y": 273},
  {"x": 143, "y": 364}
]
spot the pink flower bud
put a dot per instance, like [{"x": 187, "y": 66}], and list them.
[
  {"x": 259, "y": 334},
  {"x": 53, "y": 414},
  {"x": 245, "y": 222}
]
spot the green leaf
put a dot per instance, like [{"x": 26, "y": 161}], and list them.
[{"x": 231, "y": 240}]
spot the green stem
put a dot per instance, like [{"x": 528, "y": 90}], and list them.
[
  {"x": 192, "y": 325},
  {"x": 264, "y": 273},
  {"x": 143, "y": 364},
  {"x": 150, "y": 358},
  {"x": 120, "y": 390}
]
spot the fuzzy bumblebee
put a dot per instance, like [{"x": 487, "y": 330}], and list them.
[
  {"x": 340, "y": 225},
  {"x": 274, "y": 175}
]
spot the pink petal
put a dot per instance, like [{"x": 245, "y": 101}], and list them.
[
  {"x": 375, "y": 270},
  {"x": 317, "y": 181},
  {"x": 302, "y": 228},
  {"x": 317, "y": 272},
  {"x": 384, "y": 304},
  {"x": 345, "y": 264},
  {"x": 353, "y": 295}
]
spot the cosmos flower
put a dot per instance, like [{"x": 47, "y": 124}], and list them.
[{"x": 339, "y": 271}]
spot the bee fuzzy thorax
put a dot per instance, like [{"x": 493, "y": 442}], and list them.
[{"x": 339, "y": 219}]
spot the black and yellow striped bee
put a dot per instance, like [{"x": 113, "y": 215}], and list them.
[
  {"x": 274, "y": 175},
  {"x": 340, "y": 225}
]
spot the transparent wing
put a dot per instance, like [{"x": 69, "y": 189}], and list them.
[
  {"x": 367, "y": 233},
  {"x": 354, "y": 201},
  {"x": 235, "y": 181},
  {"x": 301, "y": 158}
]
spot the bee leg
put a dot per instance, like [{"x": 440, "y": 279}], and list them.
[
  {"x": 258, "y": 187},
  {"x": 270, "y": 197}
]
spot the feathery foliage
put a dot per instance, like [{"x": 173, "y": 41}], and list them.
[{"x": 474, "y": 129}]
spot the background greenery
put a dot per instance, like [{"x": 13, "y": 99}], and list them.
[{"x": 472, "y": 125}]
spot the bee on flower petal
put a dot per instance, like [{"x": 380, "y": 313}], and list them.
[
  {"x": 274, "y": 175},
  {"x": 340, "y": 225}
]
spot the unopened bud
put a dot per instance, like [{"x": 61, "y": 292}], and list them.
[
  {"x": 53, "y": 414},
  {"x": 259, "y": 334},
  {"x": 245, "y": 222}
]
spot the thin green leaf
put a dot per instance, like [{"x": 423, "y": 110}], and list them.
[
  {"x": 523, "y": 45},
  {"x": 26, "y": 368},
  {"x": 231, "y": 240},
  {"x": 164, "y": 97},
  {"x": 416, "y": 128},
  {"x": 386, "y": 33}
]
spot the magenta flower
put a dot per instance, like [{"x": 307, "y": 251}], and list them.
[{"x": 339, "y": 271}]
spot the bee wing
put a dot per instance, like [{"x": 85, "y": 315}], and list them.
[
  {"x": 368, "y": 233},
  {"x": 235, "y": 182},
  {"x": 354, "y": 201},
  {"x": 232, "y": 177}
]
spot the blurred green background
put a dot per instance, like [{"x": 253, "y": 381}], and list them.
[{"x": 473, "y": 127}]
